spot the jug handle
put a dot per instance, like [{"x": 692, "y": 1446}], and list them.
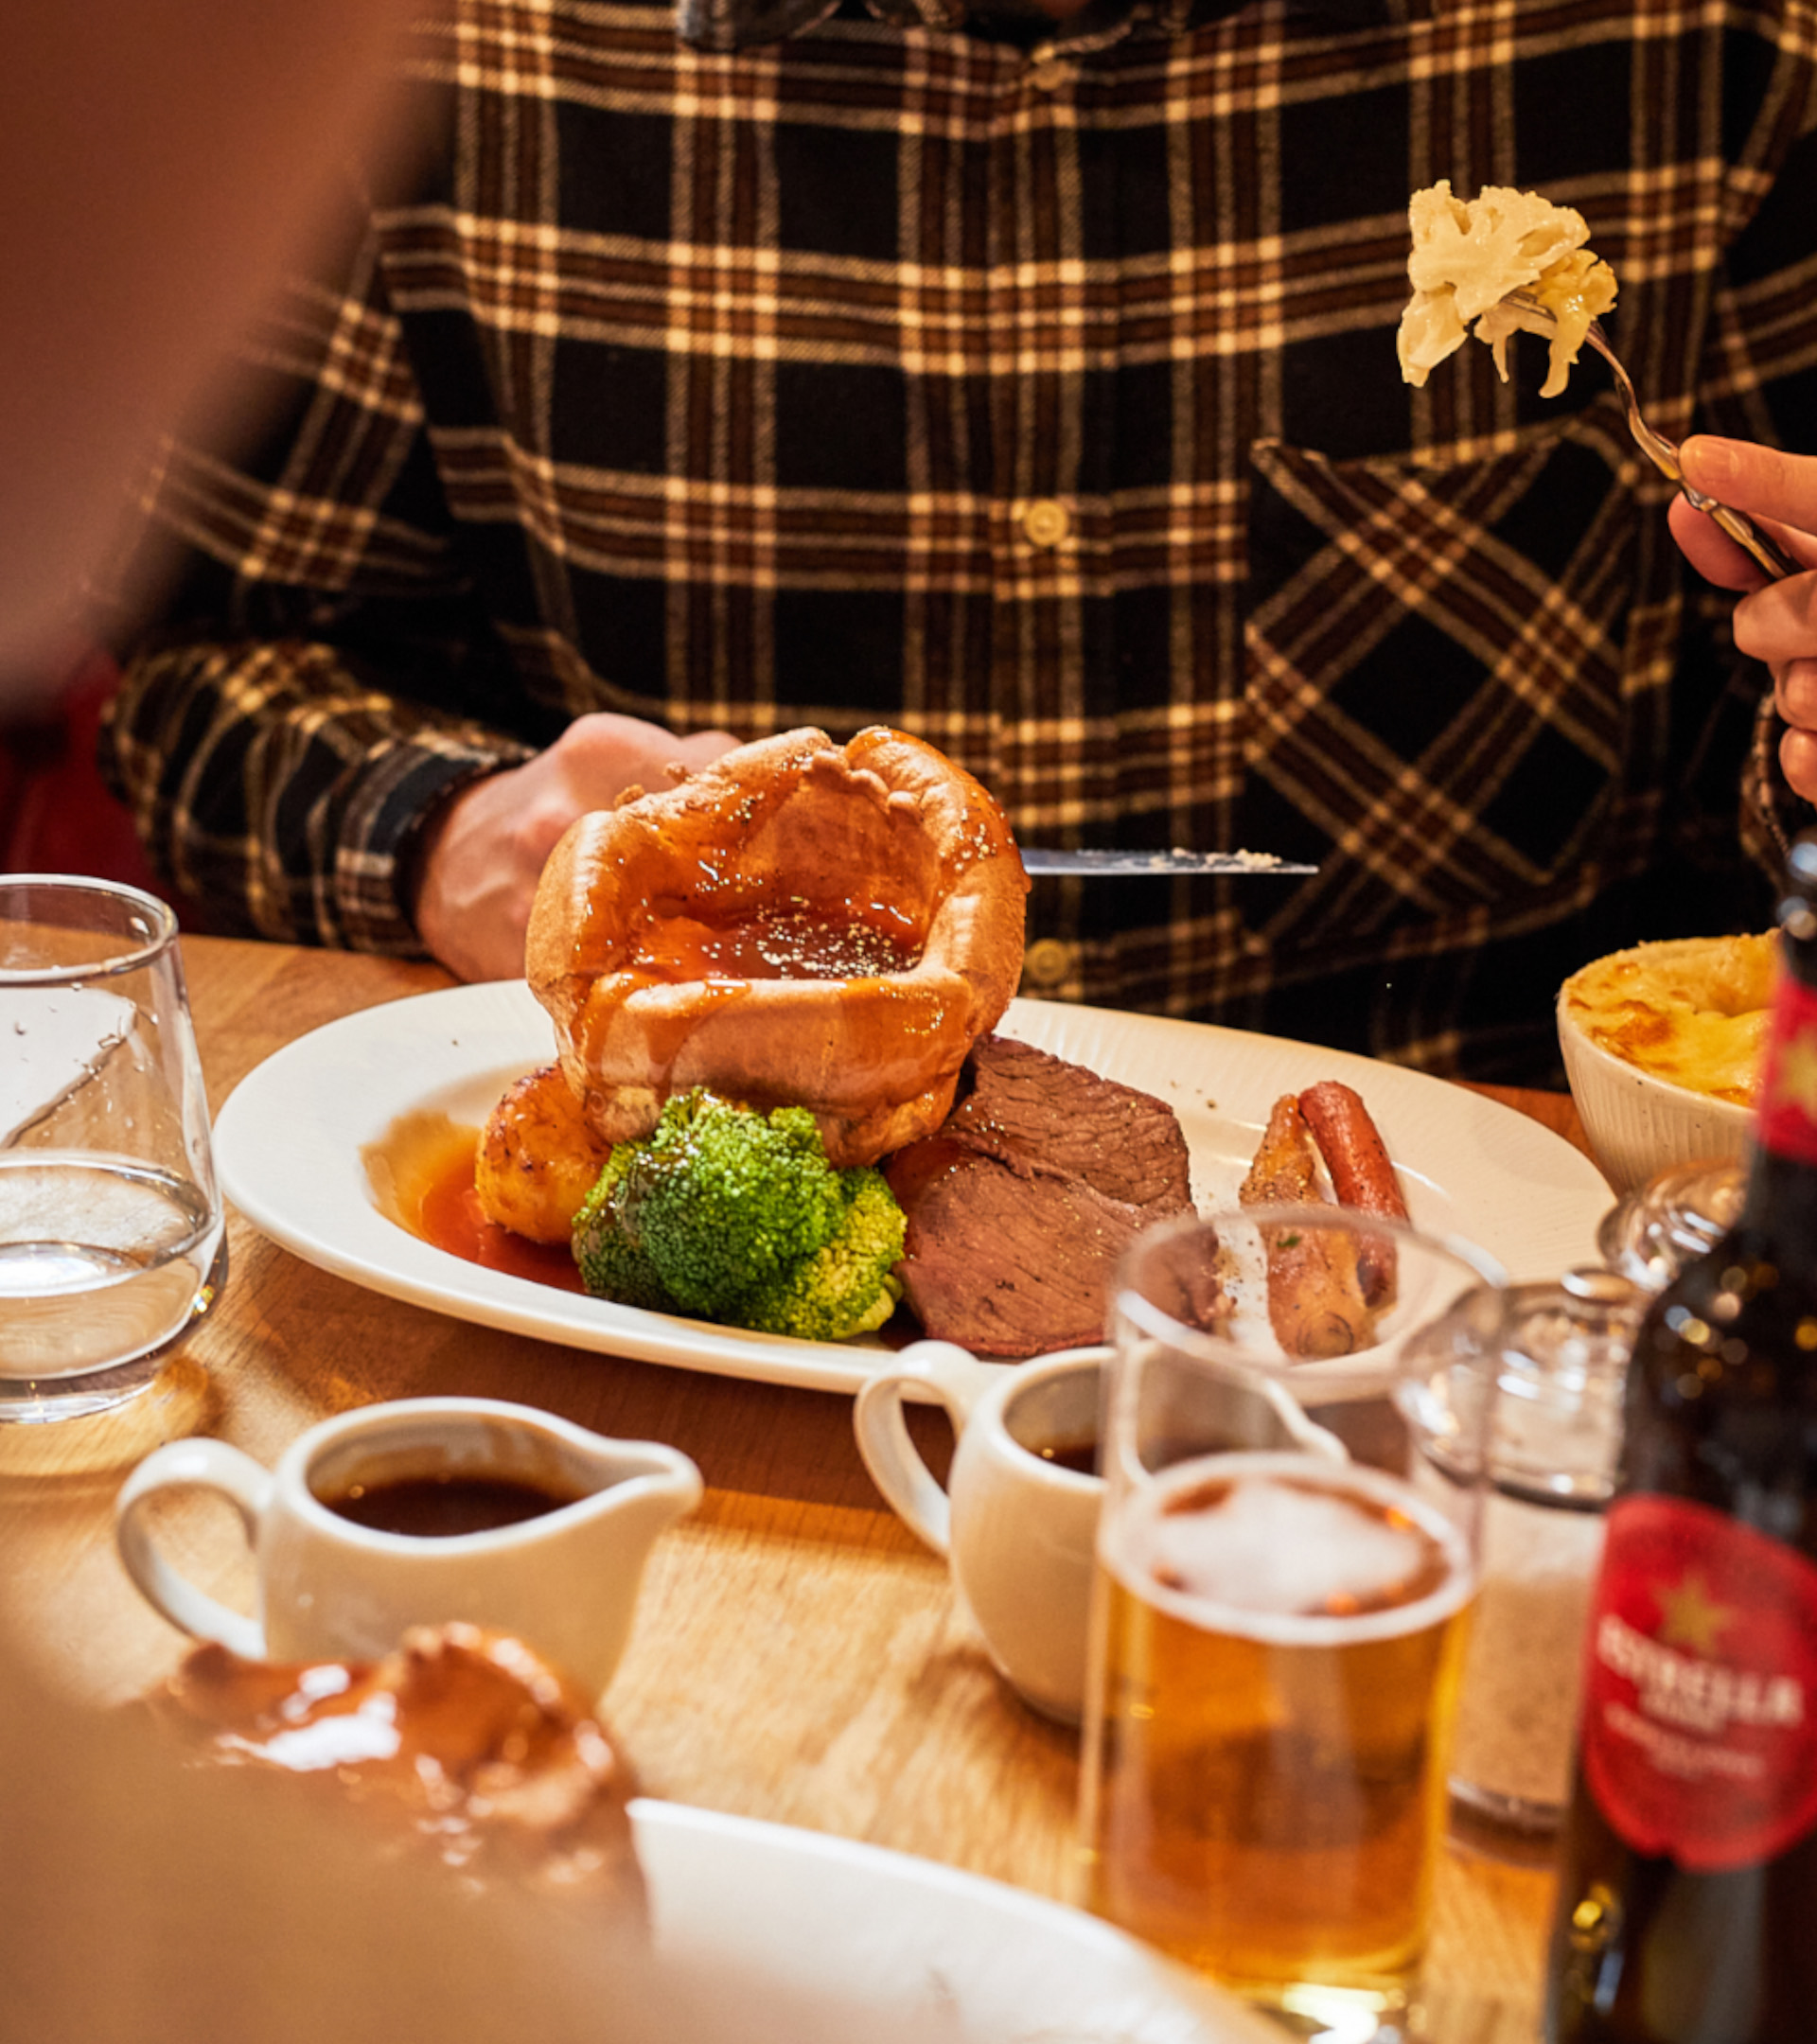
[
  {"x": 957, "y": 1379},
  {"x": 216, "y": 1466}
]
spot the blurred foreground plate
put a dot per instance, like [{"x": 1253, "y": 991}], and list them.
[
  {"x": 287, "y": 1149},
  {"x": 950, "y": 1957}
]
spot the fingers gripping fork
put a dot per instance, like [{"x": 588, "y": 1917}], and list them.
[{"x": 1663, "y": 453}]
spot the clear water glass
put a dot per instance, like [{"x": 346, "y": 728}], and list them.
[{"x": 112, "y": 1236}]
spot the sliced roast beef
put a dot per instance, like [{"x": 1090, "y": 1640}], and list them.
[
  {"x": 1005, "y": 1258},
  {"x": 1021, "y": 1203},
  {"x": 1020, "y": 1103}
]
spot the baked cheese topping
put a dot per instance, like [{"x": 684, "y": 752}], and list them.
[
  {"x": 1692, "y": 1012},
  {"x": 1468, "y": 254}
]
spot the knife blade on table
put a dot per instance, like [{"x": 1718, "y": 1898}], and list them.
[{"x": 1040, "y": 859}]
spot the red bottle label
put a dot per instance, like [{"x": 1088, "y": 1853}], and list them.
[
  {"x": 1700, "y": 1707},
  {"x": 1787, "y": 1121}
]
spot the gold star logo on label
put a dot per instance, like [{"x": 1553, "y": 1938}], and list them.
[
  {"x": 1691, "y": 1618},
  {"x": 1797, "y": 1074}
]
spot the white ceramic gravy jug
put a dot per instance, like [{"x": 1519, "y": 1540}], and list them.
[
  {"x": 1019, "y": 1518},
  {"x": 1017, "y": 1525},
  {"x": 563, "y": 1575}
]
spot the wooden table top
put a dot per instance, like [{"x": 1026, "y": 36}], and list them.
[{"x": 798, "y": 1655}]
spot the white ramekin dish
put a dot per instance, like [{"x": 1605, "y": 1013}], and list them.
[{"x": 1637, "y": 1122}]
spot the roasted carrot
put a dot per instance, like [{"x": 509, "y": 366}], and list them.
[{"x": 1316, "y": 1304}]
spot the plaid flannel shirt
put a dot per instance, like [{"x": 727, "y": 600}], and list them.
[{"x": 1036, "y": 392}]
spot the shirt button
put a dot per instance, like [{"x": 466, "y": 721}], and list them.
[
  {"x": 1045, "y": 522},
  {"x": 1047, "y": 962},
  {"x": 1048, "y": 74}
]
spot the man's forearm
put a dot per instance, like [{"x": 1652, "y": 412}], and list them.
[{"x": 280, "y": 791}]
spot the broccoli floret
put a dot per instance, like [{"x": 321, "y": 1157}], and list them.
[
  {"x": 611, "y": 1265},
  {"x": 723, "y": 1198},
  {"x": 737, "y": 1216},
  {"x": 844, "y": 1288},
  {"x": 720, "y": 1198}
]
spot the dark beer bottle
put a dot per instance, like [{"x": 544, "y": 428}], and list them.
[{"x": 1687, "y": 1906}]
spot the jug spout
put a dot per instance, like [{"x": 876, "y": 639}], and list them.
[
  {"x": 588, "y": 1576},
  {"x": 647, "y": 1488},
  {"x": 644, "y": 1487}
]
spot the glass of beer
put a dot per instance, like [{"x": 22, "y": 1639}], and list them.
[{"x": 1277, "y": 1636}]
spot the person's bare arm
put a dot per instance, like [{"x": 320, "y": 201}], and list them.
[
  {"x": 1774, "y": 622},
  {"x": 481, "y": 855}
]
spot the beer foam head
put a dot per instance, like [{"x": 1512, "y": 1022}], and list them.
[
  {"x": 1289, "y": 1548},
  {"x": 1278, "y": 1544}
]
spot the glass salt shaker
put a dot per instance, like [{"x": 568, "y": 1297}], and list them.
[
  {"x": 1661, "y": 1226},
  {"x": 1552, "y": 1444}
]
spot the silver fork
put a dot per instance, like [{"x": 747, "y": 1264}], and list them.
[{"x": 1664, "y": 454}]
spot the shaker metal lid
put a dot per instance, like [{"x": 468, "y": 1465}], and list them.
[
  {"x": 1670, "y": 1220},
  {"x": 1538, "y": 1408}
]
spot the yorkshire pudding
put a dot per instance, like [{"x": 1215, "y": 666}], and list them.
[
  {"x": 801, "y": 924},
  {"x": 460, "y": 1740}
]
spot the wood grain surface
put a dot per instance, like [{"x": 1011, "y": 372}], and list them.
[{"x": 798, "y": 1655}]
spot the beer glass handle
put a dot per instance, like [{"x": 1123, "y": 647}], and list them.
[
  {"x": 215, "y": 1466},
  {"x": 953, "y": 1379}
]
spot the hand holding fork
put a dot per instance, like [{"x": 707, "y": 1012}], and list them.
[
  {"x": 1731, "y": 493},
  {"x": 1777, "y": 620},
  {"x": 1664, "y": 454}
]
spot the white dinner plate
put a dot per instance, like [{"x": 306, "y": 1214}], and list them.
[
  {"x": 287, "y": 1149},
  {"x": 838, "y": 1927}
]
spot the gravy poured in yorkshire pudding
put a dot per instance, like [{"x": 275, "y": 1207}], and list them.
[{"x": 801, "y": 924}]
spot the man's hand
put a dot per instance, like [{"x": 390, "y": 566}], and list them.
[
  {"x": 1776, "y": 621},
  {"x": 484, "y": 852}
]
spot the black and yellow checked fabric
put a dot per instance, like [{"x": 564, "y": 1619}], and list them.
[{"x": 1042, "y": 400}]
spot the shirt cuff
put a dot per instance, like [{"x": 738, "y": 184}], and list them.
[
  {"x": 1771, "y": 813},
  {"x": 402, "y": 784}
]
